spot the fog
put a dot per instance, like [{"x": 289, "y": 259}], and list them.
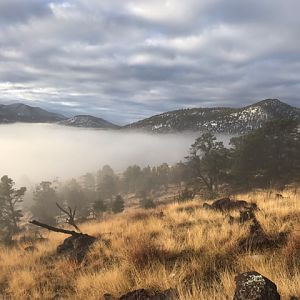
[{"x": 36, "y": 152}]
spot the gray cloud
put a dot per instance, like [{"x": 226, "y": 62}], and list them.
[{"x": 127, "y": 59}]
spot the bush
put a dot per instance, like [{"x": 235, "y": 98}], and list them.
[
  {"x": 118, "y": 204},
  {"x": 185, "y": 195},
  {"x": 147, "y": 203}
]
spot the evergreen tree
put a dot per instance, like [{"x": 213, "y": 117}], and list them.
[
  {"x": 107, "y": 182},
  {"x": 74, "y": 196},
  {"x": 44, "y": 207},
  {"x": 99, "y": 206},
  {"x": 145, "y": 201},
  {"x": 209, "y": 161},
  {"x": 118, "y": 204},
  {"x": 10, "y": 199},
  {"x": 267, "y": 156}
]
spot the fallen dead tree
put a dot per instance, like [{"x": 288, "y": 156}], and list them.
[{"x": 77, "y": 245}]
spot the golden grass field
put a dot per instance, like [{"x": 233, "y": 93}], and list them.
[{"x": 189, "y": 248}]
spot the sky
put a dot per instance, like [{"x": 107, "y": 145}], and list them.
[{"x": 124, "y": 60}]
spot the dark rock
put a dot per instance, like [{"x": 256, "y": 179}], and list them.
[
  {"x": 230, "y": 219},
  {"x": 108, "y": 297},
  {"x": 143, "y": 294},
  {"x": 206, "y": 206},
  {"x": 294, "y": 298},
  {"x": 76, "y": 246},
  {"x": 254, "y": 286},
  {"x": 30, "y": 249},
  {"x": 246, "y": 215},
  {"x": 259, "y": 240},
  {"x": 226, "y": 204}
]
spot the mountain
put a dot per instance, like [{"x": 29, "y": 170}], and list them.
[
  {"x": 24, "y": 113},
  {"x": 219, "y": 119},
  {"x": 88, "y": 122}
]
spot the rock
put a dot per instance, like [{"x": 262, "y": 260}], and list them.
[
  {"x": 254, "y": 286},
  {"x": 226, "y": 204},
  {"x": 294, "y": 298},
  {"x": 259, "y": 240},
  {"x": 206, "y": 206},
  {"x": 76, "y": 246},
  {"x": 230, "y": 219},
  {"x": 30, "y": 249},
  {"x": 143, "y": 294},
  {"x": 246, "y": 215},
  {"x": 108, "y": 297}
]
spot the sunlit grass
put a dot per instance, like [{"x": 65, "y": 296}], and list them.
[{"x": 188, "y": 248}]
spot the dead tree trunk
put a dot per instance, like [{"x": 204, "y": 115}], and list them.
[
  {"x": 55, "y": 229},
  {"x": 76, "y": 245},
  {"x": 71, "y": 216}
]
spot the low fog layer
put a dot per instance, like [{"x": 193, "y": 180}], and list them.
[{"x": 38, "y": 152}]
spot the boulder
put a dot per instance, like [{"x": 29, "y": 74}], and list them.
[
  {"x": 76, "y": 246},
  {"x": 246, "y": 215},
  {"x": 254, "y": 286},
  {"x": 143, "y": 294},
  {"x": 225, "y": 204},
  {"x": 30, "y": 249},
  {"x": 259, "y": 240}
]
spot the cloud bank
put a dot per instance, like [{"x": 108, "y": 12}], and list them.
[
  {"x": 124, "y": 60},
  {"x": 36, "y": 152}
]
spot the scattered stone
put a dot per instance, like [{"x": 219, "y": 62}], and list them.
[
  {"x": 30, "y": 249},
  {"x": 246, "y": 215},
  {"x": 226, "y": 204},
  {"x": 142, "y": 294},
  {"x": 278, "y": 196},
  {"x": 254, "y": 286},
  {"x": 76, "y": 246},
  {"x": 259, "y": 240},
  {"x": 230, "y": 219},
  {"x": 108, "y": 297}
]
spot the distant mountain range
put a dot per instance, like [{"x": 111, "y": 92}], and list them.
[
  {"x": 216, "y": 120},
  {"x": 219, "y": 119},
  {"x": 88, "y": 121},
  {"x": 19, "y": 112}
]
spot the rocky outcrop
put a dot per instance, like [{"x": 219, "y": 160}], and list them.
[
  {"x": 257, "y": 239},
  {"x": 225, "y": 204},
  {"x": 142, "y": 294},
  {"x": 254, "y": 286},
  {"x": 76, "y": 246}
]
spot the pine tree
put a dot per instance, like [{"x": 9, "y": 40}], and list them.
[
  {"x": 99, "y": 206},
  {"x": 118, "y": 204},
  {"x": 10, "y": 198}
]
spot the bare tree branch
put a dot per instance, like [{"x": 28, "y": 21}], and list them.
[
  {"x": 71, "y": 216},
  {"x": 51, "y": 228}
]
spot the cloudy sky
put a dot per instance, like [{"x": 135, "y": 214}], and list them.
[{"x": 124, "y": 60}]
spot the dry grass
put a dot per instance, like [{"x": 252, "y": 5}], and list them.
[{"x": 189, "y": 248}]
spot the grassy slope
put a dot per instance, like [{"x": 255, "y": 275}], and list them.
[{"x": 194, "y": 251}]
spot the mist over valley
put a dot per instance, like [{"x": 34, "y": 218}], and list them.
[{"x": 36, "y": 152}]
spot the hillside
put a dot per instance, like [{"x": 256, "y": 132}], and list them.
[
  {"x": 24, "y": 113},
  {"x": 186, "y": 247},
  {"x": 219, "y": 119},
  {"x": 88, "y": 122}
]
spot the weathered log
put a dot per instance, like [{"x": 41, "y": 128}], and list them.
[{"x": 52, "y": 228}]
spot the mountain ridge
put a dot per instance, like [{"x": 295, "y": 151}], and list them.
[
  {"x": 88, "y": 121},
  {"x": 19, "y": 112},
  {"x": 218, "y": 119},
  {"x": 214, "y": 119}
]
